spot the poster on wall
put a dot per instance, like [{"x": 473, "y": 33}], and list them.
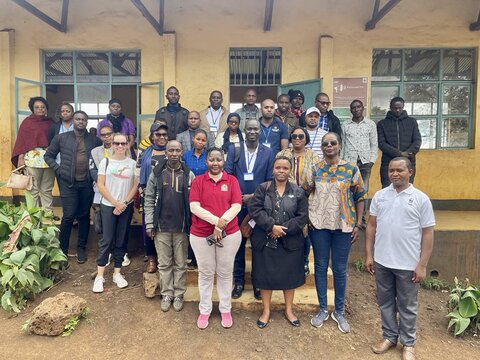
[{"x": 345, "y": 90}]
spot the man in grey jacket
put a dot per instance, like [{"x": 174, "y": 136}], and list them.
[{"x": 186, "y": 138}]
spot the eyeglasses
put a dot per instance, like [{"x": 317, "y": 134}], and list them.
[
  {"x": 120, "y": 143},
  {"x": 105, "y": 134},
  {"x": 298, "y": 136},
  {"x": 326, "y": 143},
  {"x": 160, "y": 135},
  {"x": 324, "y": 103}
]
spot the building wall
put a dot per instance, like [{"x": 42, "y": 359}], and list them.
[{"x": 195, "y": 57}]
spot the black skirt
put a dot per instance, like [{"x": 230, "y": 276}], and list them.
[{"x": 277, "y": 269}]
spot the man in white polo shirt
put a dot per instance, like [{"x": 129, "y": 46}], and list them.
[{"x": 398, "y": 245}]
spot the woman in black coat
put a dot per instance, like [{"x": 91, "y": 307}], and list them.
[{"x": 280, "y": 212}]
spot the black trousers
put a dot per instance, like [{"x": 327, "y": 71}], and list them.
[{"x": 76, "y": 203}]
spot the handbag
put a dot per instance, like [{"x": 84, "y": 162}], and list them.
[{"x": 19, "y": 179}]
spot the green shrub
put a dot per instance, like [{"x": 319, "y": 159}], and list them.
[
  {"x": 30, "y": 256},
  {"x": 433, "y": 283},
  {"x": 464, "y": 307},
  {"x": 359, "y": 265}
]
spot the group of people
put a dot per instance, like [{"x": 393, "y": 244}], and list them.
[{"x": 284, "y": 177}]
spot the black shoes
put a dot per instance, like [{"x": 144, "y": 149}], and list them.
[
  {"x": 81, "y": 256},
  {"x": 306, "y": 269},
  {"x": 237, "y": 291},
  {"x": 257, "y": 294},
  {"x": 295, "y": 322},
  {"x": 262, "y": 324}
]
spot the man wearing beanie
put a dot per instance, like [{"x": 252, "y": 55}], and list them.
[
  {"x": 119, "y": 123},
  {"x": 174, "y": 114},
  {"x": 296, "y": 100}
]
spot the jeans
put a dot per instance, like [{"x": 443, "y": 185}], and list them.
[
  {"x": 306, "y": 250},
  {"x": 115, "y": 235},
  {"x": 148, "y": 242},
  {"x": 338, "y": 244},
  {"x": 397, "y": 293},
  {"x": 215, "y": 260},
  {"x": 76, "y": 203}
]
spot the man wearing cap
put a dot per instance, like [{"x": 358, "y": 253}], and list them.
[
  {"x": 186, "y": 137},
  {"x": 119, "y": 123},
  {"x": 314, "y": 131},
  {"x": 296, "y": 101},
  {"x": 213, "y": 119},
  {"x": 328, "y": 121},
  {"x": 249, "y": 110},
  {"x": 274, "y": 133},
  {"x": 283, "y": 112},
  {"x": 174, "y": 114}
]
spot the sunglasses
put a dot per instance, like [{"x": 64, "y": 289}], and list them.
[
  {"x": 105, "y": 134},
  {"x": 324, "y": 103},
  {"x": 120, "y": 143},
  {"x": 326, "y": 143},
  {"x": 160, "y": 134},
  {"x": 298, "y": 136}
]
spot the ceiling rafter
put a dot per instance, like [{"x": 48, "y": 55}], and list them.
[
  {"x": 60, "y": 26},
  {"x": 378, "y": 13},
  {"x": 157, "y": 25},
  {"x": 267, "y": 22},
  {"x": 475, "y": 26}
]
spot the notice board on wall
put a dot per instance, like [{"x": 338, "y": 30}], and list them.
[{"x": 344, "y": 91}]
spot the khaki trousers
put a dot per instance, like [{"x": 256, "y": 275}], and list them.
[{"x": 43, "y": 179}]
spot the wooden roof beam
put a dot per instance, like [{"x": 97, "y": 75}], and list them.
[
  {"x": 378, "y": 13},
  {"x": 267, "y": 22},
  {"x": 60, "y": 26},
  {"x": 157, "y": 25},
  {"x": 475, "y": 26}
]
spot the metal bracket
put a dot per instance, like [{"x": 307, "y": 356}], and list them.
[
  {"x": 157, "y": 25},
  {"x": 475, "y": 26},
  {"x": 267, "y": 22},
  {"x": 60, "y": 26},
  {"x": 378, "y": 13}
]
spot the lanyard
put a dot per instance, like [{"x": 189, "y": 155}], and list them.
[
  {"x": 210, "y": 112},
  {"x": 314, "y": 138},
  {"x": 250, "y": 159},
  {"x": 267, "y": 134},
  {"x": 105, "y": 152}
]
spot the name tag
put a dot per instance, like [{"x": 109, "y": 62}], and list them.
[
  {"x": 247, "y": 176},
  {"x": 267, "y": 144},
  {"x": 213, "y": 128}
]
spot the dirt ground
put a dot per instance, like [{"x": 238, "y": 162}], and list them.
[{"x": 123, "y": 324}]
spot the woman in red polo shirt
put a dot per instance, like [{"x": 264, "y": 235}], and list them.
[{"x": 215, "y": 201}]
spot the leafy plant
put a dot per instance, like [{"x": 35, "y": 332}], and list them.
[
  {"x": 434, "y": 283},
  {"x": 73, "y": 322},
  {"x": 359, "y": 265},
  {"x": 30, "y": 257},
  {"x": 464, "y": 306}
]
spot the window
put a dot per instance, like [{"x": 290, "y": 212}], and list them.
[
  {"x": 437, "y": 85},
  {"x": 258, "y": 68}
]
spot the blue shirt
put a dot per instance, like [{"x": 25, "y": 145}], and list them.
[
  {"x": 323, "y": 122},
  {"x": 272, "y": 135},
  {"x": 198, "y": 165}
]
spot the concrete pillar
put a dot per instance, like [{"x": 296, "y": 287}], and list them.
[
  {"x": 169, "y": 61},
  {"x": 326, "y": 63},
  {"x": 7, "y": 114}
]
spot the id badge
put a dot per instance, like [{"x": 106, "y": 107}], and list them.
[
  {"x": 213, "y": 128},
  {"x": 247, "y": 176},
  {"x": 267, "y": 144}
]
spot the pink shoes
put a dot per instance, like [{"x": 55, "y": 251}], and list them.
[
  {"x": 202, "y": 321},
  {"x": 227, "y": 320}
]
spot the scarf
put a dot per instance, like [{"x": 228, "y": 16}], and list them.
[
  {"x": 226, "y": 139},
  {"x": 297, "y": 112},
  {"x": 116, "y": 122},
  {"x": 32, "y": 133},
  {"x": 146, "y": 165}
]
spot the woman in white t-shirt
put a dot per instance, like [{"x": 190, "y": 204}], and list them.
[{"x": 117, "y": 184}]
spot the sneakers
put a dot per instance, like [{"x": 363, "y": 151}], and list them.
[
  {"x": 202, "y": 321},
  {"x": 98, "y": 284},
  {"x": 318, "y": 320},
  {"x": 126, "y": 260},
  {"x": 166, "y": 303},
  {"x": 81, "y": 255},
  {"x": 227, "y": 320},
  {"x": 178, "y": 303},
  {"x": 341, "y": 322},
  {"x": 119, "y": 279}
]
